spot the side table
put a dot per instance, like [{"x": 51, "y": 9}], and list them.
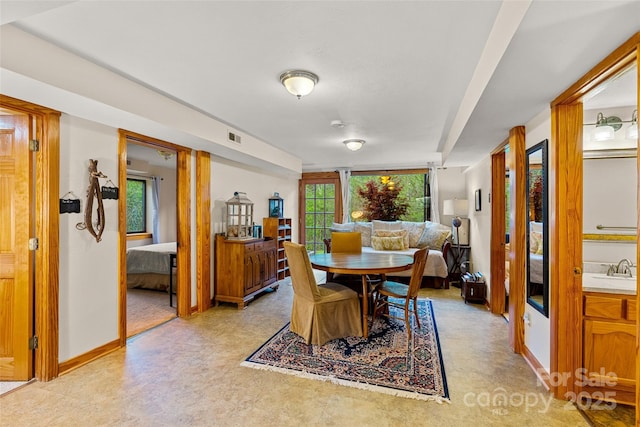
[
  {"x": 459, "y": 254},
  {"x": 473, "y": 291}
]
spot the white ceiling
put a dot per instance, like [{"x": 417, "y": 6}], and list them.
[{"x": 423, "y": 82}]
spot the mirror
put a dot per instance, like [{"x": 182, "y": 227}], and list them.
[{"x": 537, "y": 229}]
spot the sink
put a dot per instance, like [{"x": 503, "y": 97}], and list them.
[
  {"x": 600, "y": 282},
  {"x": 614, "y": 277}
]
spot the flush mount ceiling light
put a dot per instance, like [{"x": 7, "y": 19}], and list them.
[
  {"x": 165, "y": 154},
  {"x": 354, "y": 144},
  {"x": 299, "y": 82}
]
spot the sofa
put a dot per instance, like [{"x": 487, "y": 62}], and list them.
[{"x": 406, "y": 237}]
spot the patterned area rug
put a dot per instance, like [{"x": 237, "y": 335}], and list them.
[{"x": 386, "y": 362}]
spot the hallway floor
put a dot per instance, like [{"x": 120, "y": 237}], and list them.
[{"x": 187, "y": 373}]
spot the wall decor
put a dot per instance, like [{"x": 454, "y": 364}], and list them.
[
  {"x": 110, "y": 191},
  {"x": 478, "y": 200},
  {"x": 93, "y": 192},
  {"x": 69, "y": 204}
]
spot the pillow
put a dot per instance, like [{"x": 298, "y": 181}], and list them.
[
  {"x": 394, "y": 233},
  {"x": 364, "y": 228},
  {"x": 415, "y": 230},
  {"x": 386, "y": 225},
  {"x": 342, "y": 227},
  {"x": 394, "y": 243},
  {"x": 433, "y": 238},
  {"x": 535, "y": 243}
]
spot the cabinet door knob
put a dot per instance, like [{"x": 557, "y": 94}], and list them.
[{"x": 577, "y": 270}]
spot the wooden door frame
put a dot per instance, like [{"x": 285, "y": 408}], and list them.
[
  {"x": 47, "y": 180},
  {"x": 565, "y": 220},
  {"x": 183, "y": 224},
  {"x": 498, "y": 229}
]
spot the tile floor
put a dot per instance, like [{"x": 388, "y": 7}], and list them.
[{"x": 187, "y": 373}]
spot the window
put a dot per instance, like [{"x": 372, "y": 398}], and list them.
[
  {"x": 136, "y": 205},
  {"x": 415, "y": 191}
]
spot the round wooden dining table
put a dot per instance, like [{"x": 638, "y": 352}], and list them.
[{"x": 363, "y": 264}]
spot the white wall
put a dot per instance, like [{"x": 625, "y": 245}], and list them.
[
  {"x": 451, "y": 185},
  {"x": 88, "y": 270},
  {"x": 537, "y": 333},
  {"x": 478, "y": 177}
]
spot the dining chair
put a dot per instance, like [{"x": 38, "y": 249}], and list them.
[
  {"x": 388, "y": 290},
  {"x": 320, "y": 313}
]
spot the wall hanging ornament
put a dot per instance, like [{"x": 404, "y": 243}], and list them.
[
  {"x": 69, "y": 204},
  {"x": 110, "y": 191},
  {"x": 93, "y": 192}
]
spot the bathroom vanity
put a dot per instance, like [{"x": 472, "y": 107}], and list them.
[{"x": 609, "y": 326}]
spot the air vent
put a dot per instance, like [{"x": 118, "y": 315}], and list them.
[{"x": 234, "y": 137}]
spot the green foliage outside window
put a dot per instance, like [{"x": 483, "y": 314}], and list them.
[
  {"x": 136, "y": 206},
  {"x": 414, "y": 190}
]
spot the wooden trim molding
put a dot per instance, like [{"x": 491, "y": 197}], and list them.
[
  {"x": 122, "y": 238},
  {"x": 138, "y": 236},
  {"x": 517, "y": 237},
  {"x": 543, "y": 376},
  {"x": 184, "y": 232},
  {"x": 498, "y": 231},
  {"x": 203, "y": 230},
  {"x": 81, "y": 360}
]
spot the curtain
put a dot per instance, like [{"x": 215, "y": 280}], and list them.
[
  {"x": 433, "y": 187},
  {"x": 345, "y": 176},
  {"x": 155, "y": 217}
]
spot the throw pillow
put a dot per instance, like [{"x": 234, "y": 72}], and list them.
[
  {"x": 535, "y": 243},
  {"x": 394, "y": 233},
  {"x": 395, "y": 243},
  {"x": 415, "y": 230},
  {"x": 342, "y": 227},
  {"x": 433, "y": 238},
  {"x": 364, "y": 228}
]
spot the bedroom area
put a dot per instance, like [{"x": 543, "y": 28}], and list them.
[{"x": 151, "y": 237}]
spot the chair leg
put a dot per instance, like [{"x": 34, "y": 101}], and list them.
[{"x": 415, "y": 311}]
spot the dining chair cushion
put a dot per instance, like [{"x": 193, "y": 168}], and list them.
[{"x": 346, "y": 242}]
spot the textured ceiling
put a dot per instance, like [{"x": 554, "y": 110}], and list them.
[{"x": 423, "y": 82}]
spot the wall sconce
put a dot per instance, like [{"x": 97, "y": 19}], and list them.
[
  {"x": 165, "y": 154},
  {"x": 606, "y": 127},
  {"x": 354, "y": 144},
  {"x": 632, "y": 131},
  {"x": 299, "y": 82}
]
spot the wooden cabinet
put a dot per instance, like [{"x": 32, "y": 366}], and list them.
[
  {"x": 609, "y": 346},
  {"x": 473, "y": 291},
  {"x": 243, "y": 269},
  {"x": 279, "y": 229}
]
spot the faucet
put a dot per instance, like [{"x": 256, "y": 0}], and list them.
[{"x": 625, "y": 264}]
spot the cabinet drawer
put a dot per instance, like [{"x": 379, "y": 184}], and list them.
[
  {"x": 631, "y": 309},
  {"x": 603, "y": 307},
  {"x": 249, "y": 248}
]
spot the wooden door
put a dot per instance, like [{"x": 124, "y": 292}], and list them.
[
  {"x": 16, "y": 272},
  {"x": 320, "y": 206}
]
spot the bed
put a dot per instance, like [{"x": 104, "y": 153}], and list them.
[{"x": 148, "y": 266}]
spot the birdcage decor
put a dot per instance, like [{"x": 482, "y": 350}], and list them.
[
  {"x": 276, "y": 206},
  {"x": 239, "y": 216}
]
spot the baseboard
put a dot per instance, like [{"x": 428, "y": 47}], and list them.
[
  {"x": 538, "y": 369},
  {"x": 83, "y": 359}
]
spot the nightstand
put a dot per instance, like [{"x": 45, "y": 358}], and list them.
[{"x": 473, "y": 291}]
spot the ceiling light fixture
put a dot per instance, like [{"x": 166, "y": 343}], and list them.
[
  {"x": 632, "y": 131},
  {"x": 354, "y": 144},
  {"x": 165, "y": 154},
  {"x": 299, "y": 82}
]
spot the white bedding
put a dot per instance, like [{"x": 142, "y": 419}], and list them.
[{"x": 150, "y": 258}]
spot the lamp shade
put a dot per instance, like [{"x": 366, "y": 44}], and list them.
[
  {"x": 299, "y": 82},
  {"x": 455, "y": 207}
]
